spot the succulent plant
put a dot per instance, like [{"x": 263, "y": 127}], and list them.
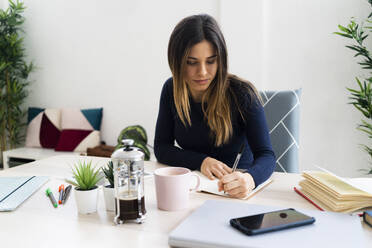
[
  {"x": 109, "y": 173},
  {"x": 86, "y": 176}
]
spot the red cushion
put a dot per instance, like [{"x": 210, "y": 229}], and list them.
[
  {"x": 49, "y": 134},
  {"x": 80, "y": 129},
  {"x": 43, "y": 127},
  {"x": 71, "y": 138}
]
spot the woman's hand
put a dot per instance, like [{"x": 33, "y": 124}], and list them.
[
  {"x": 213, "y": 168},
  {"x": 237, "y": 184}
]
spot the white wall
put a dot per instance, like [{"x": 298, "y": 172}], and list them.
[
  {"x": 310, "y": 56},
  {"x": 241, "y": 22},
  {"x": 113, "y": 54},
  {"x": 290, "y": 44},
  {"x": 104, "y": 53}
]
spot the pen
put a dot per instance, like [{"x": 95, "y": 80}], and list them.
[
  {"x": 51, "y": 197},
  {"x": 238, "y": 157},
  {"x": 236, "y": 162},
  {"x": 66, "y": 194},
  {"x": 307, "y": 198},
  {"x": 61, "y": 189}
]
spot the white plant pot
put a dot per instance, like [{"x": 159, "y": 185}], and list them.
[
  {"x": 108, "y": 194},
  {"x": 86, "y": 200}
]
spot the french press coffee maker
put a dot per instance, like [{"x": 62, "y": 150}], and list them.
[{"x": 129, "y": 183}]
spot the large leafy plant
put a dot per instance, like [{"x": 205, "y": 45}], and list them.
[
  {"x": 361, "y": 97},
  {"x": 139, "y": 136},
  {"x": 14, "y": 72},
  {"x": 86, "y": 176}
]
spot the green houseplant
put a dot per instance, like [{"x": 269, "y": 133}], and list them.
[
  {"x": 14, "y": 72},
  {"x": 108, "y": 190},
  {"x": 138, "y": 134},
  {"x": 361, "y": 97},
  {"x": 86, "y": 178},
  {"x": 109, "y": 173}
]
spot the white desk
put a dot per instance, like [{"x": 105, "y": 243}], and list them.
[{"x": 37, "y": 224}]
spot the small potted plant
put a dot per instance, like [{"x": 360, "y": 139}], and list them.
[
  {"x": 86, "y": 190},
  {"x": 108, "y": 190}
]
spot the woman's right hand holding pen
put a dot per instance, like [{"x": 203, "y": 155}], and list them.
[{"x": 236, "y": 184}]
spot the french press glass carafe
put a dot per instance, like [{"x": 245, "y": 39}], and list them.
[{"x": 129, "y": 183}]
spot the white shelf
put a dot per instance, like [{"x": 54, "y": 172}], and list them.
[{"x": 31, "y": 153}]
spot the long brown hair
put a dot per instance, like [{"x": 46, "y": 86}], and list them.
[{"x": 219, "y": 96}]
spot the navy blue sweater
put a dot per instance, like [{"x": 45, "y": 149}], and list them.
[{"x": 195, "y": 142}]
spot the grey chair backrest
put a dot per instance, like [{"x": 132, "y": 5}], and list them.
[{"x": 282, "y": 111}]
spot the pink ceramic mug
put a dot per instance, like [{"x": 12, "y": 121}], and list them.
[{"x": 173, "y": 187}]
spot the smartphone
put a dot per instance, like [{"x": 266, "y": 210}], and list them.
[{"x": 271, "y": 221}]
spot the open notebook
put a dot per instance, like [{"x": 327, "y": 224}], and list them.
[
  {"x": 211, "y": 186},
  {"x": 15, "y": 190}
]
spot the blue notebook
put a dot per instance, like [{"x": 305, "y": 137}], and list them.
[
  {"x": 15, "y": 190},
  {"x": 367, "y": 217}
]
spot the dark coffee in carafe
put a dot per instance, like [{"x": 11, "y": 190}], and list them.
[{"x": 129, "y": 208}]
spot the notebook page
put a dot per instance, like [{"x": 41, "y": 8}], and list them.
[
  {"x": 331, "y": 184},
  {"x": 211, "y": 186},
  {"x": 364, "y": 184}
]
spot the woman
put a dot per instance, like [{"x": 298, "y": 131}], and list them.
[{"x": 211, "y": 113}]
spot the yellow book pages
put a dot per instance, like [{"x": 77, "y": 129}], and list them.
[
  {"x": 329, "y": 207},
  {"x": 334, "y": 193},
  {"x": 364, "y": 184},
  {"x": 323, "y": 187},
  {"x": 333, "y": 184},
  {"x": 332, "y": 203},
  {"x": 308, "y": 186}
]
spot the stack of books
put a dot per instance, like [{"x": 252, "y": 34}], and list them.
[{"x": 337, "y": 194}]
